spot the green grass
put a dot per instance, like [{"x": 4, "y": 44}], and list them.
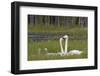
[
  {"x": 58, "y": 29},
  {"x": 53, "y": 45}
]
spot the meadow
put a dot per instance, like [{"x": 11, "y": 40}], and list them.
[{"x": 77, "y": 41}]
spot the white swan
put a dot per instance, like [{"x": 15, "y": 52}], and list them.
[
  {"x": 65, "y": 52},
  {"x": 74, "y": 52}
]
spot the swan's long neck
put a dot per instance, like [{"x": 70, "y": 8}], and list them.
[
  {"x": 61, "y": 46},
  {"x": 66, "y": 45}
]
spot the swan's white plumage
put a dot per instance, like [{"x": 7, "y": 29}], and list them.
[
  {"x": 65, "y": 51},
  {"x": 74, "y": 52}
]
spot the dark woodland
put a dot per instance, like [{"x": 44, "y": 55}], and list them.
[{"x": 56, "y": 20}]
